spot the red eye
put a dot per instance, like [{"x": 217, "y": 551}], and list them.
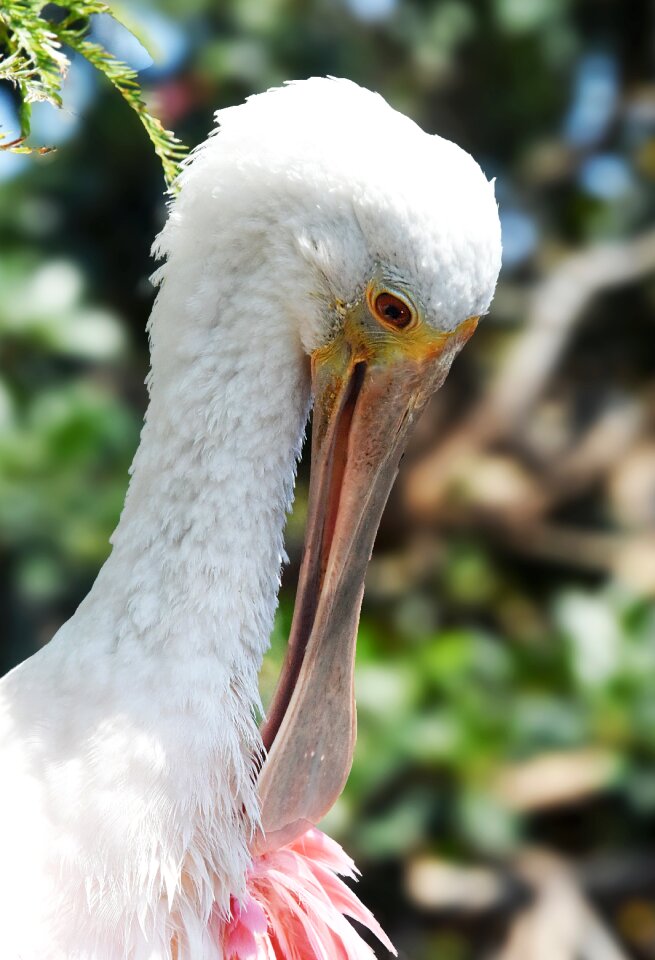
[{"x": 392, "y": 310}]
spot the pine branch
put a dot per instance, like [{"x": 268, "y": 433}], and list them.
[
  {"x": 36, "y": 64},
  {"x": 167, "y": 146},
  {"x": 34, "y": 61}
]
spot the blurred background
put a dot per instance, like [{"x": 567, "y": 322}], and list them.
[{"x": 502, "y": 802}]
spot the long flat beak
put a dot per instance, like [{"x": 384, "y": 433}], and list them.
[{"x": 369, "y": 387}]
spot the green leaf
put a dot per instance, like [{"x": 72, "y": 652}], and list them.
[{"x": 32, "y": 58}]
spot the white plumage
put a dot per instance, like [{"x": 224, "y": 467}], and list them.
[{"x": 127, "y": 744}]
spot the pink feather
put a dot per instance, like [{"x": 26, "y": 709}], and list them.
[{"x": 297, "y": 906}]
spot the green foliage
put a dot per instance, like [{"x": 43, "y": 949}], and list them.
[
  {"x": 441, "y": 714},
  {"x": 36, "y": 64},
  {"x": 60, "y": 442}
]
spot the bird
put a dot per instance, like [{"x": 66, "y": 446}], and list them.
[{"x": 322, "y": 251}]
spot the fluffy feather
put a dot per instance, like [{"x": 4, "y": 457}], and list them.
[
  {"x": 128, "y": 744},
  {"x": 296, "y": 905}
]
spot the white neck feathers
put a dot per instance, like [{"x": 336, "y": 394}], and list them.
[
  {"x": 182, "y": 611},
  {"x": 200, "y": 541}
]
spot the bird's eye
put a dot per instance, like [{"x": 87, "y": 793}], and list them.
[{"x": 390, "y": 309}]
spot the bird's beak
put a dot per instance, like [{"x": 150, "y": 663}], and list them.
[{"x": 370, "y": 383}]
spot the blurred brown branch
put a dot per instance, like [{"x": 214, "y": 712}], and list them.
[
  {"x": 466, "y": 482},
  {"x": 560, "y": 924}
]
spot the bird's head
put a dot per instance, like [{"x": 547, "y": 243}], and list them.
[{"x": 384, "y": 246}]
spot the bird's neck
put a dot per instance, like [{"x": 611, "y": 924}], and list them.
[
  {"x": 195, "y": 566},
  {"x": 170, "y": 640}
]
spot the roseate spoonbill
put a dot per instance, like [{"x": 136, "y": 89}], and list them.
[{"x": 321, "y": 245}]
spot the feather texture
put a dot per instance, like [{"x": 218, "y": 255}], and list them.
[
  {"x": 296, "y": 907},
  {"x": 128, "y": 745}
]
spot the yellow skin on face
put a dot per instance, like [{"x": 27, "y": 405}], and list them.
[{"x": 367, "y": 337}]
